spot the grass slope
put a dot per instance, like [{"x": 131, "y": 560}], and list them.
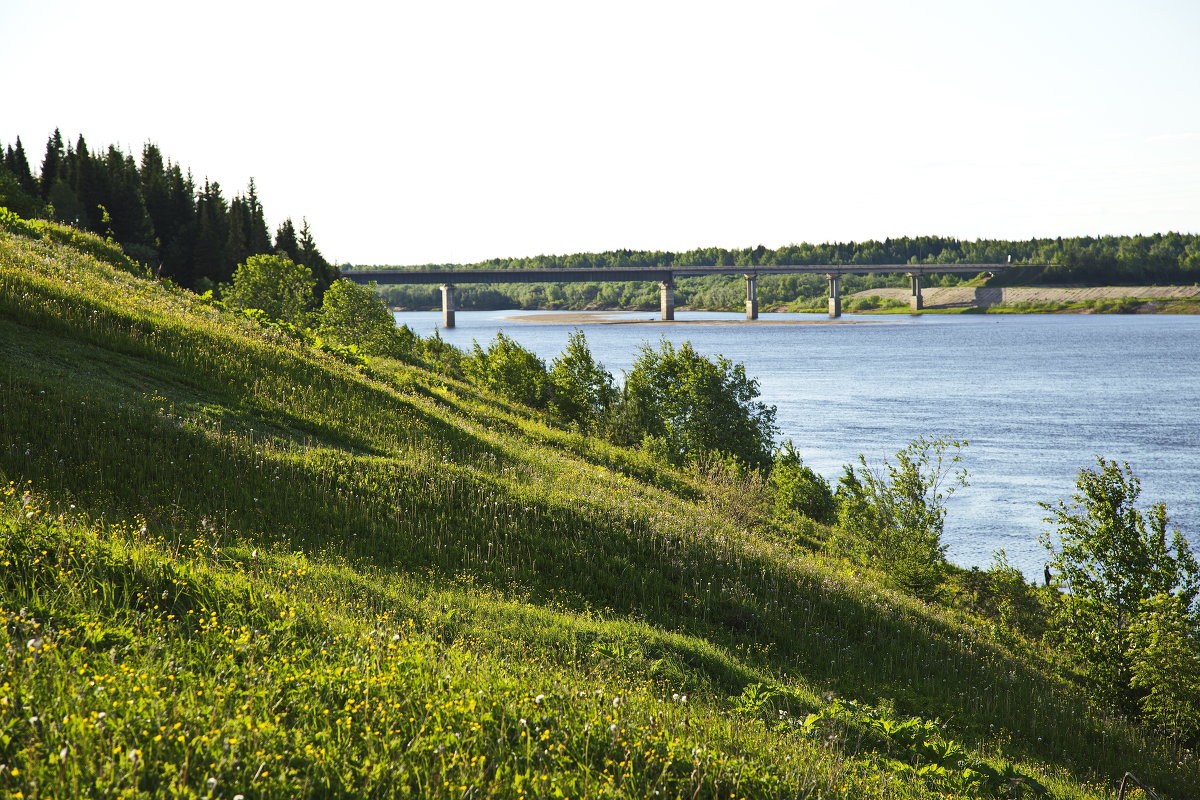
[{"x": 235, "y": 566}]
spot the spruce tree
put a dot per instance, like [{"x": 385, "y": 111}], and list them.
[
  {"x": 18, "y": 164},
  {"x": 286, "y": 243},
  {"x": 323, "y": 272},
  {"x": 259, "y": 237},
  {"x": 51, "y": 164},
  {"x": 237, "y": 243}
]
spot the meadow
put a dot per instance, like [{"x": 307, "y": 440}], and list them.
[{"x": 234, "y": 565}]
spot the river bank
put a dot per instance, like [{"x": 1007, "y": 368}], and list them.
[{"x": 1050, "y": 299}]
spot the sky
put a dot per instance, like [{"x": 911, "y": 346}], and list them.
[{"x": 456, "y": 131}]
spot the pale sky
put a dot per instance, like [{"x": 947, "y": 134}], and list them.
[{"x": 456, "y": 131}]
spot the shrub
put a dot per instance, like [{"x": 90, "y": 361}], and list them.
[
  {"x": 796, "y": 488},
  {"x": 509, "y": 370},
  {"x": 354, "y": 315},
  {"x": 894, "y": 514},
  {"x": 1114, "y": 558},
  {"x": 583, "y": 391},
  {"x": 275, "y": 284},
  {"x": 695, "y": 406}
]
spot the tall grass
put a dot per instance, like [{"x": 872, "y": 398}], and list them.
[{"x": 319, "y": 511}]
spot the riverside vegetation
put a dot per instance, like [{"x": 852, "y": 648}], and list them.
[{"x": 294, "y": 554}]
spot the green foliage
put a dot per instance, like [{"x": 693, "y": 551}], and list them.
[
  {"x": 894, "y": 514},
  {"x": 282, "y": 289},
  {"x": 1001, "y": 594},
  {"x": 476, "y": 598},
  {"x": 1155, "y": 259},
  {"x": 11, "y": 222},
  {"x": 509, "y": 370},
  {"x": 919, "y": 748},
  {"x": 353, "y": 315},
  {"x": 695, "y": 405},
  {"x": 583, "y": 391},
  {"x": 153, "y": 209},
  {"x": 797, "y": 489},
  {"x": 1114, "y": 557},
  {"x": 1165, "y": 663}
]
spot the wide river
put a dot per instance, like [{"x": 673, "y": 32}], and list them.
[{"x": 1036, "y": 396}]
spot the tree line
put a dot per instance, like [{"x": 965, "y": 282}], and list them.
[
  {"x": 1155, "y": 259},
  {"x": 184, "y": 231}
]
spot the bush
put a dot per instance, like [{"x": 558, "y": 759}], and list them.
[
  {"x": 797, "y": 489},
  {"x": 1114, "y": 558},
  {"x": 1165, "y": 663},
  {"x": 695, "y": 406},
  {"x": 275, "y": 284},
  {"x": 583, "y": 391},
  {"x": 893, "y": 515},
  {"x": 509, "y": 370},
  {"x": 354, "y": 315}
]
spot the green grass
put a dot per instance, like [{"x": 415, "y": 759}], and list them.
[{"x": 277, "y": 575}]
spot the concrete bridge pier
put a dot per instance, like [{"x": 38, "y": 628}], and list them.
[
  {"x": 447, "y": 305},
  {"x": 751, "y": 295},
  {"x": 666, "y": 300},
  {"x": 835, "y": 299},
  {"x": 914, "y": 302}
]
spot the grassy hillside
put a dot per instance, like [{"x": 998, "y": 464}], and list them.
[{"x": 233, "y": 565}]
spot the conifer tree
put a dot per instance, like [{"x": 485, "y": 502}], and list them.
[
  {"x": 286, "y": 243},
  {"x": 323, "y": 272},
  {"x": 18, "y": 164},
  {"x": 51, "y": 164},
  {"x": 237, "y": 243},
  {"x": 212, "y": 231},
  {"x": 258, "y": 236}
]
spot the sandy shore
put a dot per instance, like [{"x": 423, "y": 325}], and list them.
[{"x": 650, "y": 318}]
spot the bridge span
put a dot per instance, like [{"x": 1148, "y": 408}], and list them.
[{"x": 663, "y": 276}]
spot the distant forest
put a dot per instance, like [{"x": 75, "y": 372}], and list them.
[
  {"x": 1158, "y": 259},
  {"x": 154, "y": 210}
]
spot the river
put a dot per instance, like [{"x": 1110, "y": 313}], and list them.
[{"x": 1036, "y": 396}]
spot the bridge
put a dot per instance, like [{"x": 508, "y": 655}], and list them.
[{"x": 665, "y": 277}]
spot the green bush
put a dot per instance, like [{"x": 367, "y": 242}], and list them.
[
  {"x": 354, "y": 315},
  {"x": 1114, "y": 557},
  {"x": 509, "y": 370},
  {"x": 583, "y": 391},
  {"x": 275, "y": 284},
  {"x": 894, "y": 514},
  {"x": 695, "y": 406},
  {"x": 797, "y": 489}
]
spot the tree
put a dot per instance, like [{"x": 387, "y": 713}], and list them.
[
  {"x": 509, "y": 370},
  {"x": 894, "y": 514},
  {"x": 277, "y": 285},
  {"x": 583, "y": 391},
  {"x": 323, "y": 272},
  {"x": 1114, "y": 558},
  {"x": 285, "y": 241},
  {"x": 695, "y": 406},
  {"x": 51, "y": 164},
  {"x": 354, "y": 315},
  {"x": 1165, "y": 664},
  {"x": 797, "y": 489}
]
